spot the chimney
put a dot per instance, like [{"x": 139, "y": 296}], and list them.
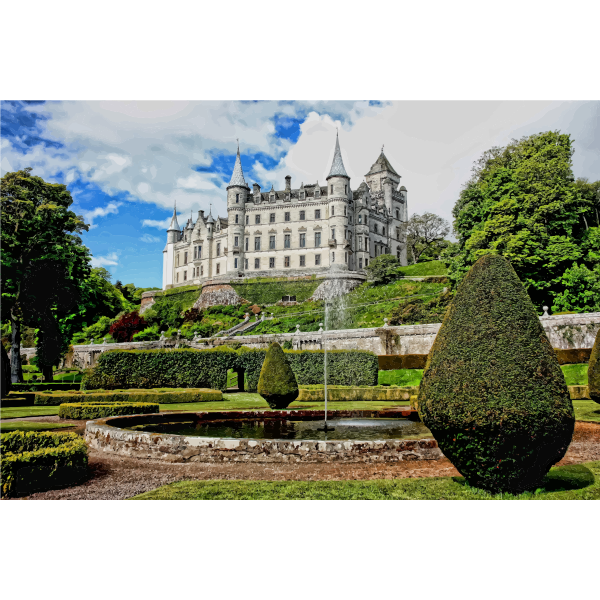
[
  {"x": 288, "y": 183},
  {"x": 255, "y": 188}
]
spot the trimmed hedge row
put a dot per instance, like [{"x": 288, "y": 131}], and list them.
[
  {"x": 105, "y": 409},
  {"x": 157, "y": 396},
  {"x": 340, "y": 393},
  {"x": 392, "y": 362},
  {"x": 190, "y": 368},
  {"x": 40, "y": 460},
  {"x": 41, "y": 387}
]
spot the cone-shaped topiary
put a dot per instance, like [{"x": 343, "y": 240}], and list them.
[
  {"x": 277, "y": 383},
  {"x": 4, "y": 372},
  {"x": 493, "y": 393},
  {"x": 594, "y": 371}
]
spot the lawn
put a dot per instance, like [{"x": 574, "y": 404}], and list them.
[
  {"x": 27, "y": 411},
  {"x": 575, "y": 374},
  {"x": 31, "y": 426},
  {"x": 401, "y": 377},
  {"x": 570, "y": 482},
  {"x": 432, "y": 267},
  {"x": 586, "y": 410}
]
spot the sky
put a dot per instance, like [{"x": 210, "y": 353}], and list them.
[{"x": 127, "y": 163}]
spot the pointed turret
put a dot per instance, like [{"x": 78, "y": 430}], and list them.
[
  {"x": 337, "y": 166},
  {"x": 382, "y": 164},
  {"x": 174, "y": 231},
  {"x": 238, "y": 174}
]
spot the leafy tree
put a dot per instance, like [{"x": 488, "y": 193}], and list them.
[
  {"x": 127, "y": 326},
  {"x": 43, "y": 263},
  {"x": 522, "y": 202},
  {"x": 383, "y": 269},
  {"x": 425, "y": 232}
]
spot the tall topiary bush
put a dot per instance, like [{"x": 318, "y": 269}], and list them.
[
  {"x": 594, "y": 371},
  {"x": 493, "y": 393},
  {"x": 277, "y": 383}
]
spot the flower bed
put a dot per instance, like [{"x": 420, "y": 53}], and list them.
[{"x": 33, "y": 461}]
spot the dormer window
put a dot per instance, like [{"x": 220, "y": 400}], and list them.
[
  {"x": 317, "y": 192},
  {"x": 302, "y": 195},
  {"x": 257, "y": 199},
  {"x": 287, "y": 197},
  {"x": 272, "y": 197}
]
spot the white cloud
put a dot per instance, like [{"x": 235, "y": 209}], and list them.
[
  {"x": 110, "y": 209},
  {"x": 110, "y": 260},
  {"x": 159, "y": 224},
  {"x": 149, "y": 239}
]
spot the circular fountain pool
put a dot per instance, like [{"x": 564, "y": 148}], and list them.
[{"x": 267, "y": 436}]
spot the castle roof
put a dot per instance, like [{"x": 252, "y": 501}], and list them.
[
  {"x": 382, "y": 164},
  {"x": 210, "y": 218},
  {"x": 337, "y": 166},
  {"x": 174, "y": 226},
  {"x": 238, "y": 175}
]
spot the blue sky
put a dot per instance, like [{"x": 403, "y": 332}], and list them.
[{"x": 126, "y": 163}]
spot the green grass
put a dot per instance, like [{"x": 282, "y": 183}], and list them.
[
  {"x": 432, "y": 267},
  {"x": 575, "y": 374},
  {"x": 401, "y": 377},
  {"x": 31, "y": 426},
  {"x": 27, "y": 411},
  {"x": 586, "y": 410},
  {"x": 571, "y": 482}
]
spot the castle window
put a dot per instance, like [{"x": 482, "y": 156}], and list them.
[
  {"x": 303, "y": 261},
  {"x": 375, "y": 228},
  {"x": 237, "y": 198},
  {"x": 383, "y": 231},
  {"x": 302, "y": 215},
  {"x": 247, "y": 244},
  {"x": 246, "y": 263},
  {"x": 317, "y": 259},
  {"x": 201, "y": 270},
  {"x": 398, "y": 253},
  {"x": 350, "y": 219},
  {"x": 360, "y": 243},
  {"x": 317, "y": 238},
  {"x": 219, "y": 249},
  {"x": 257, "y": 243},
  {"x": 237, "y": 218},
  {"x": 287, "y": 239},
  {"x": 333, "y": 234},
  {"x": 177, "y": 278},
  {"x": 286, "y": 261},
  {"x": 317, "y": 192},
  {"x": 331, "y": 188},
  {"x": 185, "y": 258},
  {"x": 360, "y": 218},
  {"x": 272, "y": 198},
  {"x": 366, "y": 262},
  {"x": 360, "y": 263},
  {"x": 365, "y": 219},
  {"x": 257, "y": 263},
  {"x": 345, "y": 189},
  {"x": 302, "y": 240},
  {"x": 247, "y": 220},
  {"x": 236, "y": 241},
  {"x": 333, "y": 257},
  {"x": 287, "y": 197},
  {"x": 398, "y": 215},
  {"x": 272, "y": 242},
  {"x": 317, "y": 214},
  {"x": 287, "y": 216},
  {"x": 272, "y": 262},
  {"x": 344, "y": 211},
  {"x": 235, "y": 263},
  {"x": 333, "y": 211},
  {"x": 301, "y": 196},
  {"x": 218, "y": 268},
  {"x": 177, "y": 260},
  {"x": 272, "y": 218},
  {"x": 345, "y": 256},
  {"x": 257, "y": 219}
]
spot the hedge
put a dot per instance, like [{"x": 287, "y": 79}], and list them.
[
  {"x": 34, "y": 461},
  {"x": 574, "y": 356},
  {"x": 190, "y": 368},
  {"x": 158, "y": 396},
  {"x": 19, "y": 400},
  {"x": 31, "y": 386},
  {"x": 341, "y": 393},
  {"x": 105, "y": 409},
  {"x": 391, "y": 362}
]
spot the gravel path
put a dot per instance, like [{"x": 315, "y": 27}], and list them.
[{"x": 114, "y": 477}]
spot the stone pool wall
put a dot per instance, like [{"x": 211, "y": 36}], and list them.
[{"x": 101, "y": 435}]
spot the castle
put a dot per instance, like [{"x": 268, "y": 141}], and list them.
[{"x": 313, "y": 229}]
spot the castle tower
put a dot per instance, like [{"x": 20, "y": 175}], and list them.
[
  {"x": 383, "y": 178},
  {"x": 338, "y": 194},
  {"x": 237, "y": 194},
  {"x": 173, "y": 234}
]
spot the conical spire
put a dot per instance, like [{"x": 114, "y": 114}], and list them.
[
  {"x": 382, "y": 164},
  {"x": 174, "y": 226},
  {"x": 238, "y": 175},
  {"x": 337, "y": 166}
]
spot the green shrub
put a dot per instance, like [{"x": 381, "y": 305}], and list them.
[
  {"x": 100, "y": 410},
  {"x": 34, "y": 461},
  {"x": 493, "y": 394},
  {"x": 126, "y": 369},
  {"x": 42, "y": 387},
  {"x": 594, "y": 371},
  {"x": 159, "y": 396},
  {"x": 277, "y": 383}
]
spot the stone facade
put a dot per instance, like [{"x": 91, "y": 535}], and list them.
[{"x": 313, "y": 229}]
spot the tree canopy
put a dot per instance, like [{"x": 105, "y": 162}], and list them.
[{"x": 522, "y": 202}]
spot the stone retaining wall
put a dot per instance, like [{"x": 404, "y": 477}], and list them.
[{"x": 176, "y": 448}]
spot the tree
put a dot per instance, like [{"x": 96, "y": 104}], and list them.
[
  {"x": 522, "y": 202},
  {"x": 43, "y": 263},
  {"x": 383, "y": 269},
  {"x": 277, "y": 383},
  {"x": 423, "y": 232},
  {"x": 493, "y": 394},
  {"x": 594, "y": 370},
  {"x": 127, "y": 326}
]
